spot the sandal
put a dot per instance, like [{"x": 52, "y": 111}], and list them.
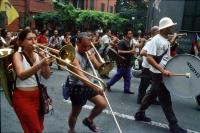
[{"x": 90, "y": 125}]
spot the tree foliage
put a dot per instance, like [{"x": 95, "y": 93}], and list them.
[
  {"x": 68, "y": 18},
  {"x": 134, "y": 11}
]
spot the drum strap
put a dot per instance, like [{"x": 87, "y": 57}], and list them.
[{"x": 159, "y": 58}]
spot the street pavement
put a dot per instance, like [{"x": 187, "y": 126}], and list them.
[{"x": 123, "y": 105}]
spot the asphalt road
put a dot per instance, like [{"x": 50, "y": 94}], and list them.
[{"x": 124, "y": 106}]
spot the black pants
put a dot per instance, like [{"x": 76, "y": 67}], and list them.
[
  {"x": 159, "y": 89},
  {"x": 144, "y": 83}
]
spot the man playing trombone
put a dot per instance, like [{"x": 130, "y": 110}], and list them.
[{"x": 83, "y": 89}]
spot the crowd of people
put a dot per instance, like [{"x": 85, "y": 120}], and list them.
[{"x": 155, "y": 51}]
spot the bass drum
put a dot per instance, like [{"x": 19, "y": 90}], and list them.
[{"x": 180, "y": 85}]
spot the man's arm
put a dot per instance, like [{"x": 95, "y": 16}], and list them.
[
  {"x": 121, "y": 51},
  {"x": 152, "y": 62},
  {"x": 83, "y": 76}
]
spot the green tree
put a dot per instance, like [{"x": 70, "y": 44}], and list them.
[
  {"x": 133, "y": 10},
  {"x": 66, "y": 17}
]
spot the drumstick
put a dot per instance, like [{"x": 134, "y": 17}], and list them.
[{"x": 187, "y": 75}]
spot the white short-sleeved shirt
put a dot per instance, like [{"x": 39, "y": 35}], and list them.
[
  {"x": 159, "y": 45},
  {"x": 105, "y": 39},
  {"x": 134, "y": 42},
  {"x": 145, "y": 63}
]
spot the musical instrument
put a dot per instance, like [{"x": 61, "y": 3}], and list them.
[
  {"x": 66, "y": 56},
  {"x": 114, "y": 56},
  {"x": 106, "y": 67},
  {"x": 179, "y": 35},
  {"x": 104, "y": 94},
  {"x": 5, "y": 53},
  {"x": 186, "y": 83}
]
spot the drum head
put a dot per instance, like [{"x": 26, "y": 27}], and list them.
[{"x": 180, "y": 85}]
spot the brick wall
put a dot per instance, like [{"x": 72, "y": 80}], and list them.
[{"x": 31, "y": 7}]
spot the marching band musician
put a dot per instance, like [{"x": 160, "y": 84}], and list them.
[
  {"x": 26, "y": 95},
  {"x": 125, "y": 49},
  {"x": 146, "y": 75},
  {"x": 106, "y": 41},
  {"x": 157, "y": 56},
  {"x": 81, "y": 91}
]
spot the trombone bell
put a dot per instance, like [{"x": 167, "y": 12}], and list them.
[
  {"x": 5, "y": 52},
  {"x": 105, "y": 68},
  {"x": 67, "y": 53}
]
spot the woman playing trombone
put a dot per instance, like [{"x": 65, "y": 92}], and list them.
[{"x": 26, "y": 102}]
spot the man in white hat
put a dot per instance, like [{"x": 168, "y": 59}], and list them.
[{"x": 157, "y": 56}]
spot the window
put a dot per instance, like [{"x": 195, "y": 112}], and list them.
[
  {"x": 102, "y": 7},
  {"x": 191, "y": 16},
  {"x": 111, "y": 9},
  {"x": 91, "y": 4}
]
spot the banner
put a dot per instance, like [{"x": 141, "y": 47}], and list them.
[{"x": 11, "y": 12}]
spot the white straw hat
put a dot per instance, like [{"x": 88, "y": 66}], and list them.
[{"x": 165, "y": 23}]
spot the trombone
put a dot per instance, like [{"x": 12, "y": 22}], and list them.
[
  {"x": 104, "y": 94},
  {"x": 67, "y": 54},
  {"x": 106, "y": 67}
]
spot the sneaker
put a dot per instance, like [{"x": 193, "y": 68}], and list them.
[
  {"x": 90, "y": 125},
  {"x": 177, "y": 129},
  {"x": 128, "y": 92},
  {"x": 140, "y": 116}
]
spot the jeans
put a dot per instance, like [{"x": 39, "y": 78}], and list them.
[{"x": 125, "y": 72}]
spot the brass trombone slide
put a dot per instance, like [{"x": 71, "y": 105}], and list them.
[
  {"x": 67, "y": 63},
  {"x": 104, "y": 95}
]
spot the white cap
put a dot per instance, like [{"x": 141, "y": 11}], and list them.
[{"x": 165, "y": 23}]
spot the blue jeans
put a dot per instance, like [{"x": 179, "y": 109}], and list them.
[{"x": 125, "y": 72}]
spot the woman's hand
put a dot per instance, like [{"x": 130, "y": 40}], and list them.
[{"x": 46, "y": 61}]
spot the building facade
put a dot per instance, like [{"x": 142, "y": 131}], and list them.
[
  {"x": 185, "y": 12},
  {"x": 97, "y": 5},
  {"x": 27, "y": 9}
]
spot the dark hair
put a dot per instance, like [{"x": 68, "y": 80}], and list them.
[
  {"x": 14, "y": 44},
  {"x": 67, "y": 34},
  {"x": 4, "y": 33},
  {"x": 126, "y": 31},
  {"x": 43, "y": 31},
  {"x": 23, "y": 34}
]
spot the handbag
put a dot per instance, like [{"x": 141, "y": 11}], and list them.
[{"x": 46, "y": 102}]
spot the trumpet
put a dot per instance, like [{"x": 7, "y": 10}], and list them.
[{"x": 179, "y": 35}]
